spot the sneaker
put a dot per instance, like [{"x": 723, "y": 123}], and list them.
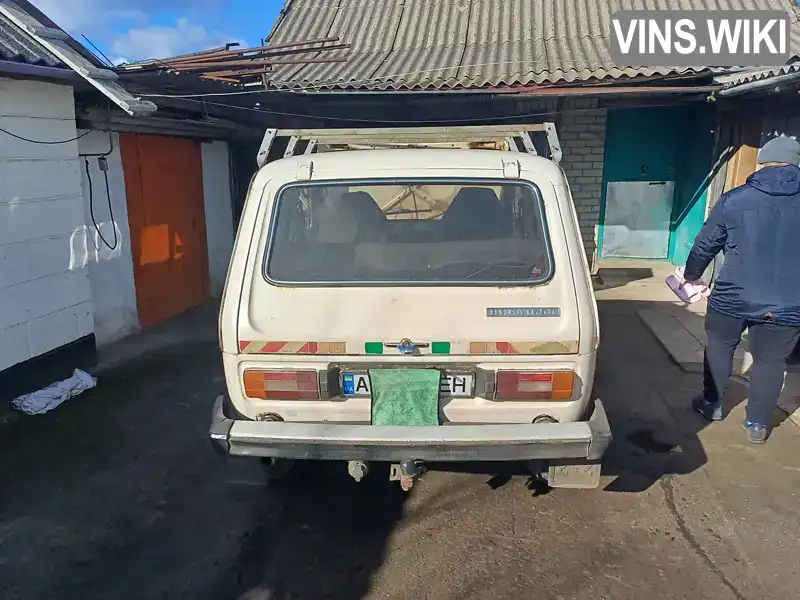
[
  {"x": 710, "y": 410},
  {"x": 756, "y": 432}
]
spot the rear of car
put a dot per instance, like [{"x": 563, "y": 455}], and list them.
[{"x": 466, "y": 262}]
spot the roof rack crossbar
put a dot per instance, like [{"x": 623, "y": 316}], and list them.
[{"x": 477, "y": 136}]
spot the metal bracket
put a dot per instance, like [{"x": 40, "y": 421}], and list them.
[
  {"x": 552, "y": 139},
  {"x": 407, "y": 473},
  {"x": 290, "y": 147},
  {"x": 511, "y": 169},
  {"x": 527, "y": 143},
  {"x": 323, "y": 140},
  {"x": 266, "y": 144}
]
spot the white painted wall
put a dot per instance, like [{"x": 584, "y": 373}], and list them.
[
  {"x": 45, "y": 297},
  {"x": 218, "y": 211},
  {"x": 110, "y": 269}
]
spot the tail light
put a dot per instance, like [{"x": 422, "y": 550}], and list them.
[
  {"x": 281, "y": 385},
  {"x": 515, "y": 385}
]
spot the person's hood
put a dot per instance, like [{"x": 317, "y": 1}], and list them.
[{"x": 777, "y": 181}]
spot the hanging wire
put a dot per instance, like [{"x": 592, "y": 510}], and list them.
[
  {"x": 46, "y": 143},
  {"x": 380, "y": 121},
  {"x": 110, "y": 209}
]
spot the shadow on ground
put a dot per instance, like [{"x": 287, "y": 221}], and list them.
[
  {"x": 656, "y": 433},
  {"x": 608, "y": 278},
  {"x": 326, "y": 540},
  {"x": 118, "y": 494}
]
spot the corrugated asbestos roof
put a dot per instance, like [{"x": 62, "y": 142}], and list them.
[
  {"x": 430, "y": 44},
  {"x": 18, "y": 46},
  {"x": 750, "y": 75}
]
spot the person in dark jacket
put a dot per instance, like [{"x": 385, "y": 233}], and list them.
[{"x": 757, "y": 226}]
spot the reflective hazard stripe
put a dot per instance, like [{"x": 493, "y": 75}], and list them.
[
  {"x": 259, "y": 347},
  {"x": 475, "y": 348},
  {"x": 523, "y": 347}
]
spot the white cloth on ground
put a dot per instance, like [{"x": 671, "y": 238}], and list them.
[{"x": 44, "y": 400}]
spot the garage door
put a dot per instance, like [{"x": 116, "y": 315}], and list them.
[{"x": 164, "y": 187}]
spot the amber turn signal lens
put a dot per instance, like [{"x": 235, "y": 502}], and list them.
[
  {"x": 549, "y": 385},
  {"x": 281, "y": 385}
]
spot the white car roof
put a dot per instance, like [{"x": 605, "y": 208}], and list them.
[{"x": 403, "y": 159}]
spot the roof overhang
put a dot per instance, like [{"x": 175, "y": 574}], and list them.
[
  {"x": 759, "y": 81},
  {"x": 57, "y": 42},
  {"x": 38, "y": 71}
]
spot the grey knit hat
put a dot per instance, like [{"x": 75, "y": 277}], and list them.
[{"x": 780, "y": 150}]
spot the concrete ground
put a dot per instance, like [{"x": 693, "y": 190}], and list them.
[
  {"x": 118, "y": 494},
  {"x": 680, "y": 328}
]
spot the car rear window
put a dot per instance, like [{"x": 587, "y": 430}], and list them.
[{"x": 408, "y": 232}]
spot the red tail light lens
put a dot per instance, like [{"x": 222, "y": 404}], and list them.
[
  {"x": 281, "y": 385},
  {"x": 516, "y": 385}
]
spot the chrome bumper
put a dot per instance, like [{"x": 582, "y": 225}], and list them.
[{"x": 330, "y": 441}]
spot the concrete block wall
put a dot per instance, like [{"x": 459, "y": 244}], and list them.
[
  {"x": 45, "y": 297},
  {"x": 582, "y": 132},
  {"x": 113, "y": 286},
  {"x": 110, "y": 266}
]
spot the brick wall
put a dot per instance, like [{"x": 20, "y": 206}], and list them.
[{"x": 582, "y": 132}]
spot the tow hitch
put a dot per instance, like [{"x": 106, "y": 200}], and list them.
[{"x": 407, "y": 472}]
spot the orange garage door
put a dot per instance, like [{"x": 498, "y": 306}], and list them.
[{"x": 164, "y": 187}]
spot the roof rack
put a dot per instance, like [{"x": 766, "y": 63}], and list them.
[{"x": 513, "y": 138}]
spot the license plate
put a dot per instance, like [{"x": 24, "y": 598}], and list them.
[{"x": 453, "y": 385}]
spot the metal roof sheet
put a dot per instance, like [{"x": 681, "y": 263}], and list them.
[
  {"x": 750, "y": 75},
  {"x": 434, "y": 44},
  {"x": 18, "y": 46}
]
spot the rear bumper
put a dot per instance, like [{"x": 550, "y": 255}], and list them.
[{"x": 586, "y": 440}]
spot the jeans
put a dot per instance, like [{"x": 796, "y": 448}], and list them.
[{"x": 770, "y": 344}]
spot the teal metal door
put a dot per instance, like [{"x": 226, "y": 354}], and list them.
[
  {"x": 694, "y": 177},
  {"x": 641, "y": 146},
  {"x": 668, "y": 147}
]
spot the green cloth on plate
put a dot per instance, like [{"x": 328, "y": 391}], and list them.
[{"x": 405, "y": 396}]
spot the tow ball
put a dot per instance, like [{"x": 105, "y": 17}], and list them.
[{"x": 407, "y": 473}]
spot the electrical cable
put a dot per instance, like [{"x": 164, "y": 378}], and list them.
[
  {"x": 101, "y": 157},
  {"x": 102, "y": 164},
  {"x": 416, "y": 122},
  {"x": 379, "y": 121},
  {"x": 24, "y": 139},
  {"x": 110, "y": 208}
]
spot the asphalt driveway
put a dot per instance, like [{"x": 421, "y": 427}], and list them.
[{"x": 118, "y": 494}]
